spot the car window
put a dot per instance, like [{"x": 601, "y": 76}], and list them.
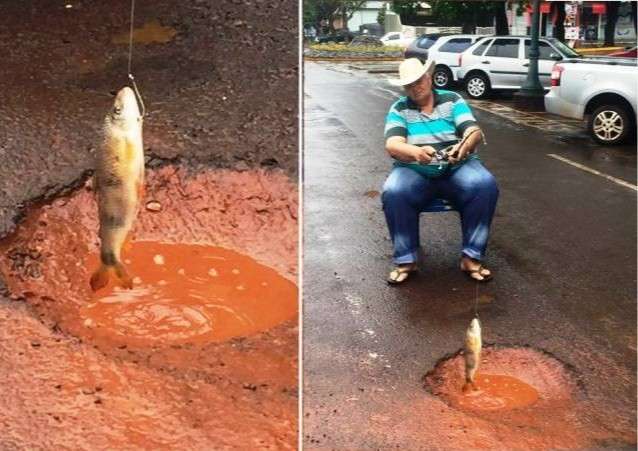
[
  {"x": 544, "y": 49},
  {"x": 425, "y": 42},
  {"x": 504, "y": 48},
  {"x": 481, "y": 48},
  {"x": 456, "y": 45},
  {"x": 393, "y": 36}
]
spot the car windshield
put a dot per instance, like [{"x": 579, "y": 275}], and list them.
[{"x": 566, "y": 50}]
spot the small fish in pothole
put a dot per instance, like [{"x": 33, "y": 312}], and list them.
[
  {"x": 119, "y": 179},
  {"x": 472, "y": 353}
]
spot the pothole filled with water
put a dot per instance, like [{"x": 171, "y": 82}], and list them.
[
  {"x": 212, "y": 256},
  {"x": 188, "y": 293},
  {"x": 508, "y": 380},
  {"x": 202, "y": 351}
]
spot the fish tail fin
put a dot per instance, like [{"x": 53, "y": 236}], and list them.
[
  {"x": 100, "y": 278},
  {"x": 123, "y": 275}
]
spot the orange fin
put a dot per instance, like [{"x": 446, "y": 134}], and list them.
[
  {"x": 123, "y": 275},
  {"x": 100, "y": 278}
]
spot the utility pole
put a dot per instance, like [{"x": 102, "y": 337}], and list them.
[{"x": 531, "y": 97}]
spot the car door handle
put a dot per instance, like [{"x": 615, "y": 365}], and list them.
[{"x": 485, "y": 62}]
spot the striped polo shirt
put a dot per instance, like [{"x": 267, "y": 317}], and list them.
[{"x": 449, "y": 119}]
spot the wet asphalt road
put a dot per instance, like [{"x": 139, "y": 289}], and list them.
[{"x": 563, "y": 250}]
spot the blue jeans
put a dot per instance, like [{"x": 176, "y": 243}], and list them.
[{"x": 471, "y": 189}]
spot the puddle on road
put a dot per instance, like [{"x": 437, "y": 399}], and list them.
[
  {"x": 498, "y": 392},
  {"x": 151, "y": 32},
  {"x": 188, "y": 293},
  {"x": 212, "y": 256},
  {"x": 508, "y": 379}
]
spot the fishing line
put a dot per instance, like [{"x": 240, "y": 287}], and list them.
[
  {"x": 476, "y": 315},
  {"x": 130, "y": 60}
]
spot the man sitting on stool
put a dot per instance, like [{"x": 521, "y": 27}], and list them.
[{"x": 418, "y": 125}]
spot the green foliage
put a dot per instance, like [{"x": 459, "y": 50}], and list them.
[
  {"x": 310, "y": 12},
  {"x": 381, "y": 16},
  {"x": 406, "y": 9},
  {"x": 314, "y": 11}
]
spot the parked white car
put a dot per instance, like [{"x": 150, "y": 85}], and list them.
[
  {"x": 602, "y": 90},
  {"x": 501, "y": 63},
  {"x": 444, "y": 50},
  {"x": 396, "y": 38}
]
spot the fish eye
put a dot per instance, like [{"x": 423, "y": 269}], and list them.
[{"x": 117, "y": 110}]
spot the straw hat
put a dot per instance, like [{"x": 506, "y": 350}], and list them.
[{"x": 411, "y": 70}]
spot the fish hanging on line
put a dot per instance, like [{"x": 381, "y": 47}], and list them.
[
  {"x": 472, "y": 353},
  {"x": 119, "y": 184}
]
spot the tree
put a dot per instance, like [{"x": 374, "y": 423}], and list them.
[
  {"x": 500, "y": 19},
  {"x": 348, "y": 8},
  {"x": 468, "y": 14},
  {"x": 558, "y": 11},
  {"x": 381, "y": 16},
  {"x": 318, "y": 11},
  {"x": 406, "y": 10},
  {"x": 610, "y": 26}
]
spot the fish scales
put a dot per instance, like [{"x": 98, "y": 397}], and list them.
[{"x": 119, "y": 180}]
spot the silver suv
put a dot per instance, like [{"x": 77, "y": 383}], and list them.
[{"x": 501, "y": 63}]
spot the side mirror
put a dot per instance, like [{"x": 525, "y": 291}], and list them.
[{"x": 555, "y": 56}]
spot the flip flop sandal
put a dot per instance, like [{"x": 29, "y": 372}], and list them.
[
  {"x": 472, "y": 273},
  {"x": 399, "y": 275}
]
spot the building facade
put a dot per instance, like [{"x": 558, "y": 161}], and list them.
[{"x": 584, "y": 22}]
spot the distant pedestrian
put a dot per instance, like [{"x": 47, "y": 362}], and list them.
[{"x": 418, "y": 125}]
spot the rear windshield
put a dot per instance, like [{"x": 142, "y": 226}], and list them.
[
  {"x": 425, "y": 42},
  {"x": 456, "y": 45}
]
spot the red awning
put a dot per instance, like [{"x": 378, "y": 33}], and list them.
[{"x": 598, "y": 8}]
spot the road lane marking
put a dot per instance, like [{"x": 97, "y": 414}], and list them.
[{"x": 594, "y": 171}]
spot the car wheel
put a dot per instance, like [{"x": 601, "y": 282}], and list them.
[
  {"x": 477, "y": 86},
  {"x": 442, "y": 77},
  {"x": 609, "y": 124}
]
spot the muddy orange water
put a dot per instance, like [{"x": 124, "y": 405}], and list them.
[
  {"x": 189, "y": 293},
  {"x": 498, "y": 392}
]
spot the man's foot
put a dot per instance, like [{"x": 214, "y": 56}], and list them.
[
  {"x": 475, "y": 270},
  {"x": 401, "y": 273}
]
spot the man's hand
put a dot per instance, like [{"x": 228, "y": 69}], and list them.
[
  {"x": 458, "y": 153},
  {"x": 423, "y": 155}
]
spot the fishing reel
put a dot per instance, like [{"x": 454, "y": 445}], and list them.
[
  {"x": 445, "y": 153},
  {"x": 442, "y": 154}
]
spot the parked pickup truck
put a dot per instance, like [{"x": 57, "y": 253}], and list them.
[{"x": 602, "y": 90}]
